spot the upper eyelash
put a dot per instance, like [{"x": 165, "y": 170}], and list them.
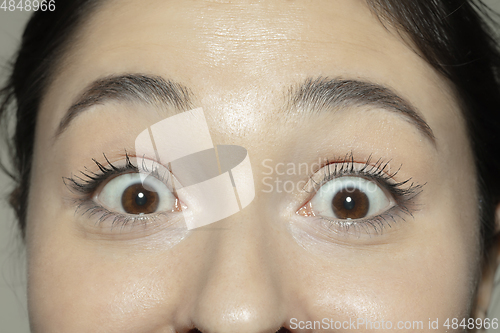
[
  {"x": 403, "y": 192},
  {"x": 376, "y": 172},
  {"x": 89, "y": 180}
]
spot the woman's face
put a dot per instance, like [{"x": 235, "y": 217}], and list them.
[{"x": 365, "y": 207}]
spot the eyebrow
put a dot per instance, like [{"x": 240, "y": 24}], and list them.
[
  {"x": 145, "y": 89},
  {"x": 320, "y": 94},
  {"x": 312, "y": 95}
]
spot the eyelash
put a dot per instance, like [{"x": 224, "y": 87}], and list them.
[
  {"x": 87, "y": 184},
  {"x": 403, "y": 193}
]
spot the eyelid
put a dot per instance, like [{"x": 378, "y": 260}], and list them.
[
  {"x": 402, "y": 193},
  {"x": 378, "y": 172},
  {"x": 373, "y": 230},
  {"x": 85, "y": 182},
  {"x": 88, "y": 182},
  {"x": 101, "y": 223},
  {"x": 87, "y": 188}
]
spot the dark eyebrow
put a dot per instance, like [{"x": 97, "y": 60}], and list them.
[
  {"x": 151, "y": 90},
  {"x": 320, "y": 94},
  {"x": 313, "y": 95}
]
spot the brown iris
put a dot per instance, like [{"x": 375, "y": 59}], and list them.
[
  {"x": 350, "y": 203},
  {"x": 136, "y": 200}
]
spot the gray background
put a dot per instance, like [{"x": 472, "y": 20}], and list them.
[{"x": 13, "y": 313}]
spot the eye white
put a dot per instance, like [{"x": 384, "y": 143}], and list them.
[
  {"x": 111, "y": 194},
  {"x": 321, "y": 203}
]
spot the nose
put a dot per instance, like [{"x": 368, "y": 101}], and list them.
[{"x": 240, "y": 288}]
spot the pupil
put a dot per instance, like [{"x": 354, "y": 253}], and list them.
[
  {"x": 141, "y": 199},
  {"x": 350, "y": 203},
  {"x": 137, "y": 200}
]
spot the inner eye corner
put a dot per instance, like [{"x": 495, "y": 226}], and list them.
[{"x": 305, "y": 210}]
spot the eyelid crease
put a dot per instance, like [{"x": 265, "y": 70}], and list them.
[
  {"x": 403, "y": 193},
  {"x": 87, "y": 181},
  {"x": 346, "y": 167},
  {"x": 87, "y": 184}
]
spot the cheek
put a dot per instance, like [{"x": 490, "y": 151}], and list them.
[
  {"x": 430, "y": 281},
  {"x": 76, "y": 286},
  {"x": 426, "y": 270}
]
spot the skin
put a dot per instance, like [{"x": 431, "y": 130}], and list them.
[{"x": 256, "y": 270}]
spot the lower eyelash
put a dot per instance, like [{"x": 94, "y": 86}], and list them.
[
  {"x": 377, "y": 224},
  {"x": 87, "y": 183},
  {"x": 90, "y": 209},
  {"x": 403, "y": 193}
]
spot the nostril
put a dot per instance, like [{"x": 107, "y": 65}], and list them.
[{"x": 194, "y": 330}]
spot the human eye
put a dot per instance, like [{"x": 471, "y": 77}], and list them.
[
  {"x": 123, "y": 197},
  {"x": 351, "y": 197},
  {"x": 129, "y": 194}
]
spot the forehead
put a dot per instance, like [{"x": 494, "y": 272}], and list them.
[
  {"x": 238, "y": 57},
  {"x": 238, "y": 35},
  {"x": 244, "y": 44}
]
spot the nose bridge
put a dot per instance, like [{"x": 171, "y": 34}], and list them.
[{"x": 240, "y": 288}]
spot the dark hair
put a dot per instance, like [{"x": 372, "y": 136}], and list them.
[
  {"x": 451, "y": 35},
  {"x": 454, "y": 37},
  {"x": 44, "y": 41}
]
